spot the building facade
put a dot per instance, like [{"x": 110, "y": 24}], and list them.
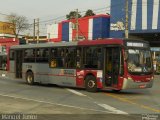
[
  {"x": 89, "y": 28},
  {"x": 144, "y": 18}
]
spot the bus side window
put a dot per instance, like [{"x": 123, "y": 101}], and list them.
[
  {"x": 53, "y": 61},
  {"x": 70, "y": 58},
  {"x": 45, "y": 55},
  {"x": 78, "y": 57},
  {"x": 92, "y": 57},
  {"x": 60, "y": 57},
  {"x": 99, "y": 58},
  {"x": 42, "y": 55},
  {"x": 87, "y": 58},
  {"x": 29, "y": 55},
  {"x": 57, "y": 58}
]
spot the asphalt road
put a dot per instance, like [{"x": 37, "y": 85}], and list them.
[{"x": 16, "y": 97}]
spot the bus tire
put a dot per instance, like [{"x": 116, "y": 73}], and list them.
[
  {"x": 30, "y": 78},
  {"x": 91, "y": 83}
]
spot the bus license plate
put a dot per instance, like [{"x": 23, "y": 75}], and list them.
[{"x": 142, "y": 86}]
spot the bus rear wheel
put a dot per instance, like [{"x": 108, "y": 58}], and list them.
[
  {"x": 91, "y": 83},
  {"x": 30, "y": 78}
]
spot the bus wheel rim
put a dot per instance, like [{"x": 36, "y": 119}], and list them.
[
  {"x": 91, "y": 83},
  {"x": 29, "y": 78}
]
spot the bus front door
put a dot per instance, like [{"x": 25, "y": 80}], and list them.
[
  {"x": 18, "y": 63},
  {"x": 112, "y": 58}
]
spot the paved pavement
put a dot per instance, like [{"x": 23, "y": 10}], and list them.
[{"x": 16, "y": 97}]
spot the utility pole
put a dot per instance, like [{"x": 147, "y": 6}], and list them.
[
  {"x": 126, "y": 19},
  {"x": 77, "y": 25},
  {"x": 48, "y": 37},
  {"x": 34, "y": 28},
  {"x": 37, "y": 30}
]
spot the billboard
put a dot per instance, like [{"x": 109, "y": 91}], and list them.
[
  {"x": 144, "y": 16},
  {"x": 6, "y": 28}
]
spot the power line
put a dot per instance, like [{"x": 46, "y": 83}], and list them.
[
  {"x": 60, "y": 17},
  {"x": 52, "y": 19}
]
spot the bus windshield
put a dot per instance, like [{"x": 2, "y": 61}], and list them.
[{"x": 139, "y": 61}]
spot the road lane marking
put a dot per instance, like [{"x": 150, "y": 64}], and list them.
[
  {"x": 105, "y": 106},
  {"x": 134, "y": 98},
  {"x": 112, "y": 109},
  {"x": 75, "y": 92},
  {"x": 3, "y": 75},
  {"x": 132, "y": 102},
  {"x": 52, "y": 103}
]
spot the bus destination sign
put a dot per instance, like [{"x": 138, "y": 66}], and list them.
[{"x": 136, "y": 44}]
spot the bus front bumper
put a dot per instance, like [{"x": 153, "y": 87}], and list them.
[{"x": 130, "y": 84}]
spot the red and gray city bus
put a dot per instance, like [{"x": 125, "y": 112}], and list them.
[{"x": 112, "y": 63}]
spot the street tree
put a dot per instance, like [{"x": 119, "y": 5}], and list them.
[
  {"x": 89, "y": 12},
  {"x": 19, "y": 23},
  {"x": 72, "y": 15}
]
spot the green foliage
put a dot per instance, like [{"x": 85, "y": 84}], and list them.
[
  {"x": 72, "y": 15},
  {"x": 89, "y": 13}
]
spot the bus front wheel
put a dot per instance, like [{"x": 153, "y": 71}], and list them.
[
  {"x": 30, "y": 78},
  {"x": 91, "y": 83}
]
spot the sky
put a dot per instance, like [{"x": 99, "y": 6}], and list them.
[
  {"x": 50, "y": 9},
  {"x": 45, "y": 9}
]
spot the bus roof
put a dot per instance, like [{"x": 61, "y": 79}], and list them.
[
  {"x": 45, "y": 45},
  {"x": 109, "y": 41},
  {"x": 74, "y": 43}
]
